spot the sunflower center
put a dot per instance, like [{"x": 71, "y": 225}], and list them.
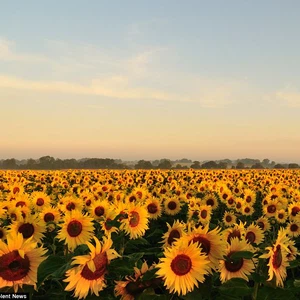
[
  {"x": 88, "y": 202},
  {"x": 203, "y": 242},
  {"x": 248, "y": 199},
  {"x": 261, "y": 225},
  {"x": 181, "y": 264},
  {"x": 274, "y": 197},
  {"x": 16, "y": 190},
  {"x": 134, "y": 219},
  {"x": 233, "y": 265},
  {"x": 250, "y": 237},
  {"x": 230, "y": 201},
  {"x": 152, "y": 208},
  {"x": 40, "y": 202},
  {"x": 294, "y": 227},
  {"x": 233, "y": 234},
  {"x": 277, "y": 257},
  {"x": 295, "y": 210},
  {"x": 132, "y": 198},
  {"x": 247, "y": 210},
  {"x": 27, "y": 230},
  {"x": 100, "y": 262},
  {"x": 107, "y": 226},
  {"x": 225, "y": 196},
  {"x": 238, "y": 205},
  {"x": 172, "y": 205},
  {"x": 99, "y": 211},
  {"x": 174, "y": 234},
  {"x": 134, "y": 288},
  {"x": 70, "y": 206},
  {"x": 139, "y": 194},
  {"x": 13, "y": 267},
  {"x": 49, "y": 217},
  {"x": 20, "y": 203},
  {"x": 210, "y": 202},
  {"x": 203, "y": 214},
  {"x": 74, "y": 228},
  {"x": 228, "y": 219},
  {"x": 271, "y": 209}
]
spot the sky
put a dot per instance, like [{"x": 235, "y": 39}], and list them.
[{"x": 203, "y": 80}]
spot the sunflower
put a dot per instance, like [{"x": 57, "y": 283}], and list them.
[
  {"x": 172, "y": 206},
  {"x": 39, "y": 200},
  {"x": 19, "y": 261},
  {"x": 254, "y": 234},
  {"x": 76, "y": 229},
  {"x": 174, "y": 232},
  {"x": 247, "y": 209},
  {"x": 98, "y": 209},
  {"x": 137, "y": 222},
  {"x": 70, "y": 203},
  {"x": 229, "y": 218},
  {"x": 49, "y": 214},
  {"x": 249, "y": 196},
  {"x": 271, "y": 207},
  {"x": 182, "y": 267},
  {"x": 281, "y": 216},
  {"x": 211, "y": 200},
  {"x": 237, "y": 231},
  {"x": 210, "y": 242},
  {"x": 204, "y": 214},
  {"x": 293, "y": 210},
  {"x": 236, "y": 267},
  {"x": 153, "y": 207},
  {"x": 110, "y": 215},
  {"x": 263, "y": 223},
  {"x": 277, "y": 255},
  {"x": 293, "y": 228},
  {"x": 29, "y": 227},
  {"x": 133, "y": 285},
  {"x": 89, "y": 274}
]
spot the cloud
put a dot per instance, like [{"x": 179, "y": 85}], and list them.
[
  {"x": 289, "y": 98},
  {"x": 8, "y": 53}
]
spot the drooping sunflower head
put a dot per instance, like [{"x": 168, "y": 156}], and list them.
[
  {"x": 174, "y": 232},
  {"x": 154, "y": 208}
]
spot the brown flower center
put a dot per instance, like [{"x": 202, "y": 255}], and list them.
[
  {"x": 13, "y": 267},
  {"x": 294, "y": 227},
  {"x": 99, "y": 211},
  {"x": 152, "y": 208},
  {"x": 134, "y": 219},
  {"x": 181, "y": 264},
  {"x": 203, "y": 214},
  {"x": 40, "y": 202},
  {"x": 233, "y": 234},
  {"x": 203, "y": 242},
  {"x": 74, "y": 228},
  {"x": 210, "y": 202},
  {"x": 27, "y": 230},
  {"x": 277, "y": 257},
  {"x": 228, "y": 218},
  {"x": 271, "y": 209},
  {"x": 172, "y": 205},
  {"x": 174, "y": 234},
  {"x": 49, "y": 217},
  {"x": 16, "y": 190},
  {"x": 295, "y": 210},
  {"x": 233, "y": 265},
  {"x": 70, "y": 206},
  {"x": 250, "y": 237},
  {"x": 100, "y": 262}
]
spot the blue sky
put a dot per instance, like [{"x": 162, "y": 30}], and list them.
[{"x": 150, "y": 79}]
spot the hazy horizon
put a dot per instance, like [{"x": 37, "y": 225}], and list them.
[{"x": 148, "y": 80}]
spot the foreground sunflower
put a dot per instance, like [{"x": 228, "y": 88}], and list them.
[
  {"x": 239, "y": 267},
  {"x": 89, "y": 275},
  {"x": 278, "y": 257},
  {"x": 19, "y": 261},
  {"x": 183, "y": 266},
  {"x": 77, "y": 229}
]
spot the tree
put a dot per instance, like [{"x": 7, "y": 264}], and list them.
[
  {"x": 143, "y": 164},
  {"x": 210, "y": 165},
  {"x": 165, "y": 164},
  {"x": 196, "y": 165},
  {"x": 257, "y": 166},
  {"x": 278, "y": 166},
  {"x": 293, "y": 166},
  {"x": 240, "y": 165},
  {"x": 10, "y": 163}
]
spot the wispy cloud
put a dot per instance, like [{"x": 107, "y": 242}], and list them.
[{"x": 289, "y": 98}]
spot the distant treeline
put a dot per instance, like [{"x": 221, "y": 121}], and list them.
[{"x": 51, "y": 163}]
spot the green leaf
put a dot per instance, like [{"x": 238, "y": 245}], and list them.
[
  {"x": 48, "y": 267},
  {"x": 235, "y": 287},
  {"x": 242, "y": 254},
  {"x": 149, "y": 274}
]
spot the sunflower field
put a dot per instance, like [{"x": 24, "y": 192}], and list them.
[{"x": 155, "y": 234}]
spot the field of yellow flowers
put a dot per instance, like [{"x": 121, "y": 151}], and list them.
[{"x": 158, "y": 234}]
